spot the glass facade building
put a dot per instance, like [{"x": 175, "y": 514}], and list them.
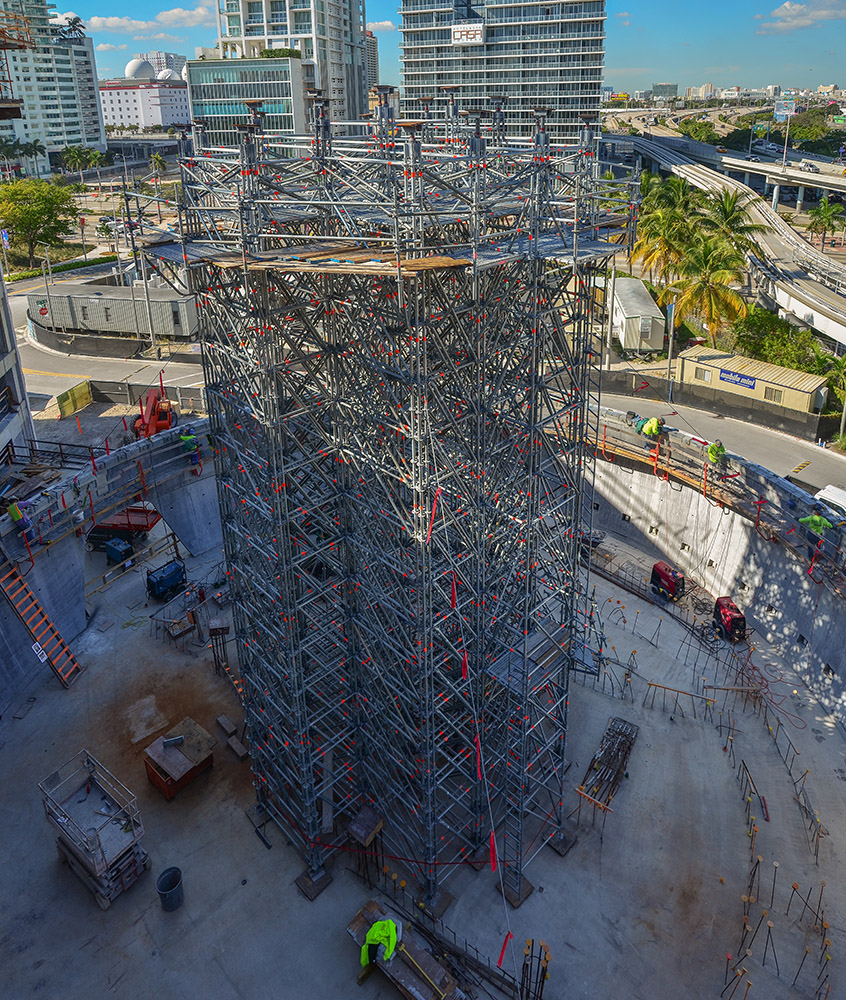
[
  {"x": 217, "y": 89},
  {"x": 547, "y": 55}
]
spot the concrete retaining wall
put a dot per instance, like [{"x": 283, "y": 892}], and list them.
[
  {"x": 723, "y": 552},
  {"x": 56, "y": 573}
]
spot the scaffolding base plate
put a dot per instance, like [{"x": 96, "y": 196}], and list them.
[
  {"x": 480, "y": 858},
  {"x": 311, "y": 888},
  {"x": 563, "y": 841},
  {"x": 515, "y": 901},
  {"x": 439, "y": 904}
]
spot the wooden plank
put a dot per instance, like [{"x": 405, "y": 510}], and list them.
[{"x": 414, "y": 972}]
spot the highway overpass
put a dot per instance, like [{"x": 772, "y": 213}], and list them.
[{"x": 801, "y": 280}]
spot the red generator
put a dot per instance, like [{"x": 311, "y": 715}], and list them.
[
  {"x": 728, "y": 620},
  {"x": 667, "y": 582}
]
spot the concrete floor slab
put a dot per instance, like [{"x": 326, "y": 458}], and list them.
[{"x": 646, "y": 904}]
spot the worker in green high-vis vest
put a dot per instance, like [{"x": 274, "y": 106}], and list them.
[{"x": 381, "y": 941}]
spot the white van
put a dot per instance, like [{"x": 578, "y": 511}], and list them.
[{"x": 833, "y": 497}]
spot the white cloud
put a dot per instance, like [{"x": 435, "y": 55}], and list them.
[
  {"x": 793, "y": 16},
  {"x": 108, "y": 47},
  {"x": 381, "y": 26},
  {"x": 63, "y": 18},
  {"x": 175, "y": 17},
  {"x": 626, "y": 24},
  {"x": 623, "y": 13},
  {"x": 178, "y": 17},
  {"x": 119, "y": 25},
  {"x": 159, "y": 36}
]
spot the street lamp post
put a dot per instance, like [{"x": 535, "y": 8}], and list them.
[{"x": 671, "y": 319}]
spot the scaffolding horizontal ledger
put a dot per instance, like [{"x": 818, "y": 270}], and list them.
[{"x": 398, "y": 352}]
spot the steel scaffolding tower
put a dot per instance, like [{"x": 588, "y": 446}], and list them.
[{"x": 398, "y": 353}]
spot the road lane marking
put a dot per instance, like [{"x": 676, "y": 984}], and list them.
[{"x": 36, "y": 371}]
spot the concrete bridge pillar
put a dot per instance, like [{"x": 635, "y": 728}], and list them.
[
  {"x": 746, "y": 178},
  {"x": 800, "y": 197},
  {"x": 776, "y": 190}
]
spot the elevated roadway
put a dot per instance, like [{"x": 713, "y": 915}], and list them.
[{"x": 800, "y": 279}]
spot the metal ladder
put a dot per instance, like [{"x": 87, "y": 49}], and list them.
[{"x": 48, "y": 641}]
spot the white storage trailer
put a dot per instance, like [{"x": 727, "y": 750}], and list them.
[{"x": 636, "y": 320}]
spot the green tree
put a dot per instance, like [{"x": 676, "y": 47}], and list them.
[
  {"x": 727, "y": 214},
  {"x": 97, "y": 159},
  {"x": 75, "y": 158},
  {"x": 708, "y": 269},
  {"x": 158, "y": 164},
  {"x": 10, "y": 148},
  {"x": 824, "y": 218},
  {"x": 35, "y": 211},
  {"x": 660, "y": 246},
  {"x": 31, "y": 151}
]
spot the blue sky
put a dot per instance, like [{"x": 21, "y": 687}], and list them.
[{"x": 744, "y": 42}]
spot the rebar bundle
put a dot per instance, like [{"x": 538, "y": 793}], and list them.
[{"x": 398, "y": 353}]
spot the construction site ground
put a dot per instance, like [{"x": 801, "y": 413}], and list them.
[{"x": 647, "y": 904}]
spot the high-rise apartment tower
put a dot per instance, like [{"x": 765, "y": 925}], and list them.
[
  {"x": 328, "y": 34},
  {"x": 477, "y": 55}
]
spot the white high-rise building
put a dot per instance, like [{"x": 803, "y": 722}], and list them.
[
  {"x": 161, "y": 61},
  {"x": 327, "y": 34},
  {"x": 530, "y": 55},
  {"x": 56, "y": 80}
]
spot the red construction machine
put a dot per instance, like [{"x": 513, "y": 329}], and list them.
[
  {"x": 157, "y": 414},
  {"x": 729, "y": 620},
  {"x": 667, "y": 582}
]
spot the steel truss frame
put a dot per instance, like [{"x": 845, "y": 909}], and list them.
[{"x": 398, "y": 354}]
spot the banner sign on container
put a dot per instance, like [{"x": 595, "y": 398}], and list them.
[{"x": 745, "y": 381}]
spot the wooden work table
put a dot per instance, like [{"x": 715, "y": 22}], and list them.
[{"x": 171, "y": 768}]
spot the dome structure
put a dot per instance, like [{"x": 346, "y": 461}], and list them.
[
  {"x": 139, "y": 69},
  {"x": 168, "y": 74},
  {"x": 184, "y": 73}
]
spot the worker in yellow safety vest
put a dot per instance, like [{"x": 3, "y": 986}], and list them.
[
  {"x": 381, "y": 941},
  {"x": 716, "y": 452},
  {"x": 653, "y": 427}
]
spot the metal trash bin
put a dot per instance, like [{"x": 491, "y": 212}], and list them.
[{"x": 169, "y": 888}]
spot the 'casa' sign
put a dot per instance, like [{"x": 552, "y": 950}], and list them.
[{"x": 468, "y": 34}]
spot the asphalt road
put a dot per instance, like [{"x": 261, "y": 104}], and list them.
[{"x": 48, "y": 372}]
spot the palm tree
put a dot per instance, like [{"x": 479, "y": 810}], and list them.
[
  {"x": 824, "y": 218},
  {"x": 662, "y": 236},
  {"x": 157, "y": 165},
  {"x": 75, "y": 158},
  {"x": 97, "y": 159},
  {"x": 9, "y": 149},
  {"x": 36, "y": 149},
  {"x": 708, "y": 269},
  {"x": 72, "y": 28},
  {"x": 727, "y": 214}
]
